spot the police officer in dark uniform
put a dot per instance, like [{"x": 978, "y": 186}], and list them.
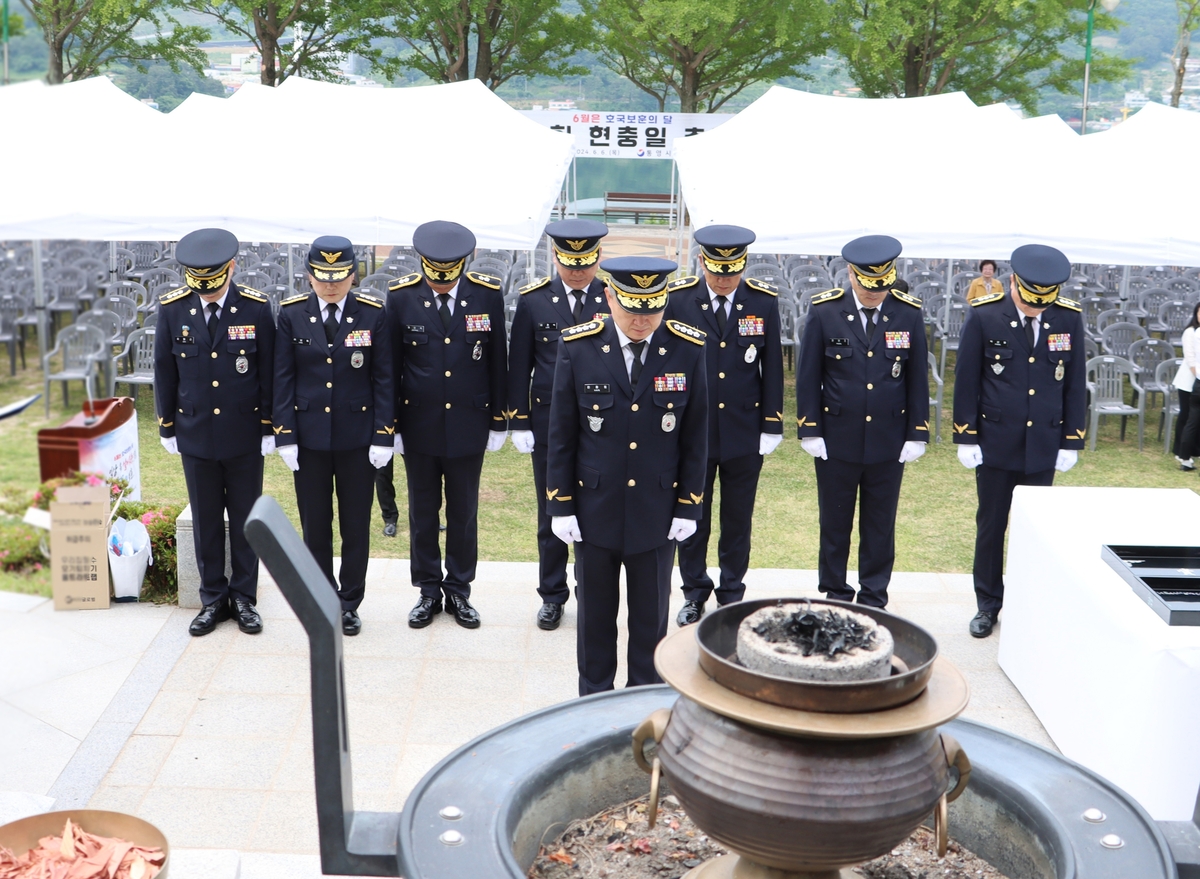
[
  {"x": 545, "y": 308},
  {"x": 214, "y": 347},
  {"x": 334, "y": 417},
  {"x": 625, "y": 475},
  {"x": 862, "y": 396},
  {"x": 447, "y": 329},
  {"x": 744, "y": 354},
  {"x": 1020, "y": 400}
]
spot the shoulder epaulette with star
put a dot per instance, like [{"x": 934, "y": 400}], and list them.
[
  {"x": 986, "y": 300},
  {"x": 536, "y": 285},
  {"x": 907, "y": 298},
  {"x": 683, "y": 283},
  {"x": 251, "y": 293},
  {"x": 173, "y": 295},
  {"x": 486, "y": 280},
  {"x": 762, "y": 286},
  {"x": 406, "y": 281},
  {"x": 827, "y": 296},
  {"x": 580, "y": 331},
  {"x": 367, "y": 299},
  {"x": 1068, "y": 303},
  {"x": 687, "y": 331},
  {"x": 292, "y": 300}
]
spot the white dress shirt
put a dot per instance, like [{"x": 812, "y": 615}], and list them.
[
  {"x": 627, "y": 351},
  {"x": 862, "y": 315}
]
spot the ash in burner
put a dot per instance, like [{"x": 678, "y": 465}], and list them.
[{"x": 822, "y": 632}]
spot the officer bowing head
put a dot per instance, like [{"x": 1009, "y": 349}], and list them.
[
  {"x": 207, "y": 257},
  {"x": 443, "y": 247},
  {"x": 871, "y": 260},
  {"x": 637, "y": 293},
  {"x": 331, "y": 267},
  {"x": 577, "y": 250},
  {"x": 1038, "y": 273},
  {"x": 723, "y": 254}
]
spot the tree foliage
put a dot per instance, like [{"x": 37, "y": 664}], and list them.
[
  {"x": 705, "y": 52},
  {"x": 85, "y": 35},
  {"x": 994, "y": 50},
  {"x": 166, "y": 87},
  {"x": 488, "y": 40},
  {"x": 309, "y": 38},
  {"x": 1189, "y": 19}
]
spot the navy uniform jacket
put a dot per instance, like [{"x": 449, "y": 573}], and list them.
[
  {"x": 745, "y": 390},
  {"x": 1020, "y": 406},
  {"x": 543, "y": 311},
  {"x": 451, "y": 386},
  {"x": 214, "y": 395},
  {"x": 865, "y": 402},
  {"x": 627, "y": 462},
  {"x": 339, "y": 398}
]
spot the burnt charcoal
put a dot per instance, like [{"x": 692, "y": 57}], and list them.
[{"x": 822, "y": 632}]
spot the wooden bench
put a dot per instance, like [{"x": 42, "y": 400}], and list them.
[{"x": 622, "y": 205}]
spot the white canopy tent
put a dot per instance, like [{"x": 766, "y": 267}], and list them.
[
  {"x": 947, "y": 178},
  {"x": 284, "y": 164}
]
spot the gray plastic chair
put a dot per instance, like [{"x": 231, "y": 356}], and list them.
[
  {"x": 1107, "y": 318},
  {"x": 1164, "y": 374},
  {"x": 1146, "y": 354},
  {"x": 139, "y": 352},
  {"x": 949, "y": 318},
  {"x": 1117, "y": 338},
  {"x": 789, "y": 317},
  {"x": 82, "y": 348},
  {"x": 935, "y": 400},
  {"x": 1171, "y": 320},
  {"x": 1106, "y": 384},
  {"x": 124, "y": 307}
]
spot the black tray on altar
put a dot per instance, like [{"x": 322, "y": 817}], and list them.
[{"x": 1167, "y": 578}]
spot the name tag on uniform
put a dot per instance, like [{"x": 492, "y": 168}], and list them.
[
  {"x": 479, "y": 323},
  {"x": 243, "y": 333},
  {"x": 597, "y": 389},
  {"x": 840, "y": 343},
  {"x": 544, "y": 327},
  {"x": 1059, "y": 341},
  {"x": 672, "y": 381},
  {"x": 897, "y": 339},
  {"x": 750, "y": 326},
  {"x": 414, "y": 328},
  {"x": 298, "y": 341},
  {"x": 358, "y": 339},
  {"x": 998, "y": 343}
]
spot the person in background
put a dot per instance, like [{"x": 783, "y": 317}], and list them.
[
  {"x": 987, "y": 284},
  {"x": 1187, "y": 426}
]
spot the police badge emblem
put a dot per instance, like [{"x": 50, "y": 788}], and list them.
[
  {"x": 997, "y": 368},
  {"x": 477, "y": 351},
  {"x": 595, "y": 422},
  {"x": 356, "y": 359},
  {"x": 554, "y": 299},
  {"x": 896, "y": 368},
  {"x": 668, "y": 422},
  {"x": 242, "y": 365},
  {"x": 751, "y": 353},
  {"x": 312, "y": 320},
  {"x": 1059, "y": 372},
  {"x": 193, "y": 311}
]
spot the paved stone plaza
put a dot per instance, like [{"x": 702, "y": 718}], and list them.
[{"x": 210, "y": 739}]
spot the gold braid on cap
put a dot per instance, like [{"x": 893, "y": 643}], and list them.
[
  {"x": 649, "y": 294},
  {"x": 206, "y": 279},
  {"x": 576, "y": 260},
  {"x": 326, "y": 273},
  {"x": 726, "y": 265},
  {"x": 443, "y": 272},
  {"x": 1033, "y": 294},
  {"x": 875, "y": 277}
]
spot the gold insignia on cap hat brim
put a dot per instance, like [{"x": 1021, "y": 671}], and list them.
[
  {"x": 325, "y": 273},
  {"x": 443, "y": 272},
  {"x": 206, "y": 279},
  {"x": 1035, "y": 294},
  {"x": 733, "y": 266},
  {"x": 875, "y": 277},
  {"x": 576, "y": 260},
  {"x": 635, "y": 303}
]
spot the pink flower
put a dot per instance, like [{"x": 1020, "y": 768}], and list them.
[
  {"x": 94, "y": 480},
  {"x": 37, "y": 495},
  {"x": 37, "y": 566},
  {"x": 116, "y": 489}
]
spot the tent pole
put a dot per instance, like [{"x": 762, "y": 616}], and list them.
[
  {"x": 575, "y": 186},
  {"x": 39, "y": 302},
  {"x": 291, "y": 269},
  {"x": 1124, "y": 293},
  {"x": 673, "y": 217},
  {"x": 112, "y": 261}
]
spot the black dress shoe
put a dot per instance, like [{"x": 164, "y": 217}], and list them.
[
  {"x": 389, "y": 529},
  {"x": 691, "y": 613},
  {"x": 422, "y": 615},
  {"x": 209, "y": 616},
  {"x": 465, "y": 615},
  {"x": 549, "y": 616},
  {"x": 981, "y": 625},
  {"x": 247, "y": 617},
  {"x": 351, "y": 624}
]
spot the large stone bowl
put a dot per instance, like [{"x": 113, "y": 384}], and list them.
[{"x": 22, "y": 835}]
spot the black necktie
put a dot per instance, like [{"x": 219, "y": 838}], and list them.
[
  {"x": 444, "y": 310},
  {"x": 577, "y": 308},
  {"x": 870, "y": 313},
  {"x": 635, "y": 371},
  {"x": 212, "y": 321},
  {"x": 719, "y": 305},
  {"x": 1029, "y": 332},
  {"x": 331, "y": 323}
]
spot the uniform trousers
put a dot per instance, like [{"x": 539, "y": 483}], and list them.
[
  {"x": 876, "y": 488},
  {"x": 739, "y": 485},
  {"x": 552, "y": 552},
  {"x": 426, "y": 476},
  {"x": 348, "y": 473},
  {"x": 1185, "y": 408},
  {"x": 385, "y": 489},
  {"x": 233, "y": 485},
  {"x": 648, "y": 590},
  {"x": 995, "y": 489}
]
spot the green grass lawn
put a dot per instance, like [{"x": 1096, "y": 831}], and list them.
[{"x": 935, "y": 528}]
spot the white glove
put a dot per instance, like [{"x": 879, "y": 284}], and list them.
[
  {"x": 1066, "y": 460},
  {"x": 768, "y": 442},
  {"x": 268, "y": 446},
  {"x": 911, "y": 451},
  {"x": 496, "y": 440},
  {"x": 681, "y": 529},
  {"x": 815, "y": 446},
  {"x": 566, "y": 529},
  {"x": 290, "y": 455},
  {"x": 970, "y": 456},
  {"x": 379, "y": 456},
  {"x": 523, "y": 441},
  {"x": 398, "y": 444},
  {"x": 170, "y": 444}
]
